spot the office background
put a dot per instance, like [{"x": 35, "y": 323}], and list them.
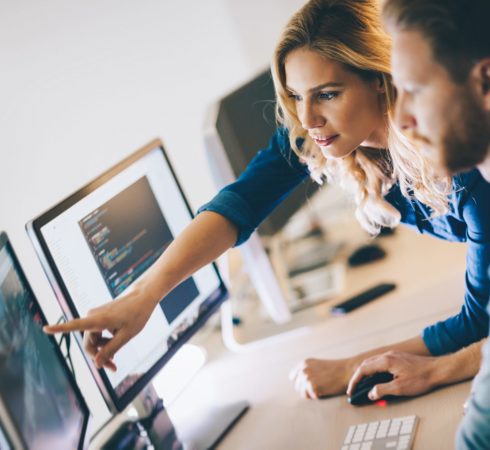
[{"x": 84, "y": 84}]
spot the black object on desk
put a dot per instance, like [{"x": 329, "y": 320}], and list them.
[
  {"x": 362, "y": 298},
  {"x": 366, "y": 254},
  {"x": 385, "y": 231},
  {"x": 361, "y": 391}
]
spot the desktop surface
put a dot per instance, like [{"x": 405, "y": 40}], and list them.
[
  {"x": 280, "y": 419},
  {"x": 402, "y": 265}
]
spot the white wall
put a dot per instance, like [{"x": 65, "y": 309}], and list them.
[
  {"x": 83, "y": 84},
  {"x": 258, "y": 25}
]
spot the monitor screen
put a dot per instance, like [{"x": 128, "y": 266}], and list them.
[
  {"x": 95, "y": 243},
  {"x": 243, "y": 124},
  {"x": 40, "y": 401}
]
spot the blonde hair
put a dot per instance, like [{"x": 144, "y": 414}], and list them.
[{"x": 350, "y": 32}]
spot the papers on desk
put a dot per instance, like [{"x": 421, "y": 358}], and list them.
[
  {"x": 311, "y": 275},
  {"x": 316, "y": 286}
]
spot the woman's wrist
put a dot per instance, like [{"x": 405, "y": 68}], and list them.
[{"x": 147, "y": 292}]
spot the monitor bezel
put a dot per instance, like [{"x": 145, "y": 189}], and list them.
[
  {"x": 114, "y": 402},
  {"x": 10, "y": 426}
]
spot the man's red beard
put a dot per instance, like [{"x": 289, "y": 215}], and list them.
[{"x": 466, "y": 141}]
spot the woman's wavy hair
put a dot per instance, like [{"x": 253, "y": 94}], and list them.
[{"x": 350, "y": 32}]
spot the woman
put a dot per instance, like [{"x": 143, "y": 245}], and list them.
[{"x": 336, "y": 101}]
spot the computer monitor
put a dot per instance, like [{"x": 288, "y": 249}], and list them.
[
  {"x": 41, "y": 407},
  {"x": 98, "y": 241},
  {"x": 240, "y": 124}
]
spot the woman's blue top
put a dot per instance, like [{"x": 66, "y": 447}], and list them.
[{"x": 276, "y": 171}]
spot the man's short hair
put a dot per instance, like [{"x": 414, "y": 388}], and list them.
[{"x": 458, "y": 31}]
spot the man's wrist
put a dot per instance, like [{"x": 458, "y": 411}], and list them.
[
  {"x": 454, "y": 367},
  {"x": 440, "y": 370},
  {"x": 351, "y": 365}
]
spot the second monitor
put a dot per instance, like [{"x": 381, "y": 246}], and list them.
[
  {"x": 97, "y": 242},
  {"x": 240, "y": 124}
]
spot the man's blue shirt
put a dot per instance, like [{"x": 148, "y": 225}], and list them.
[{"x": 276, "y": 171}]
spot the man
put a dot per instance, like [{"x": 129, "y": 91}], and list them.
[{"x": 441, "y": 68}]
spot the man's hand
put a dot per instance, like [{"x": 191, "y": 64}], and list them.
[
  {"x": 315, "y": 378},
  {"x": 412, "y": 374},
  {"x": 123, "y": 318}
]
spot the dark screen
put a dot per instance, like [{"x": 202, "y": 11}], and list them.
[
  {"x": 125, "y": 243},
  {"x": 245, "y": 124},
  {"x": 34, "y": 383}
]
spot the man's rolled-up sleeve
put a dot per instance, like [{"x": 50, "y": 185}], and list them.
[{"x": 471, "y": 323}]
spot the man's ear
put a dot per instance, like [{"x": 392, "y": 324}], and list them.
[{"x": 480, "y": 76}]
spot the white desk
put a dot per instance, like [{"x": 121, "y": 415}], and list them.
[
  {"x": 414, "y": 262},
  {"x": 429, "y": 273}
]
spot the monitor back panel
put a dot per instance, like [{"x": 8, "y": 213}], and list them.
[{"x": 245, "y": 123}]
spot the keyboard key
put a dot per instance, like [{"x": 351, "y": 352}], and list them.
[
  {"x": 357, "y": 437},
  {"x": 370, "y": 435},
  {"x": 362, "y": 428},
  {"x": 371, "y": 431},
  {"x": 350, "y": 433},
  {"x": 395, "y": 426},
  {"x": 394, "y": 431},
  {"x": 406, "y": 428},
  {"x": 408, "y": 418},
  {"x": 382, "y": 432}
]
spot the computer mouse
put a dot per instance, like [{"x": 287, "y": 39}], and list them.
[
  {"x": 360, "y": 394},
  {"x": 385, "y": 231},
  {"x": 366, "y": 254}
]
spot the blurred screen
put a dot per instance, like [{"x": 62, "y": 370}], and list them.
[
  {"x": 103, "y": 241},
  {"x": 34, "y": 381}
]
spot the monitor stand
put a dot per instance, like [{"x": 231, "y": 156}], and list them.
[
  {"x": 305, "y": 274},
  {"x": 202, "y": 430}
]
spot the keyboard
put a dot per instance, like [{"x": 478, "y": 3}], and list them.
[{"x": 393, "y": 434}]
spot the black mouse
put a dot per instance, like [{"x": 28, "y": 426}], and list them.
[
  {"x": 360, "y": 394},
  {"x": 385, "y": 231},
  {"x": 365, "y": 254}
]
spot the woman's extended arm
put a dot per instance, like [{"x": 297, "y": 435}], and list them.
[{"x": 225, "y": 221}]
